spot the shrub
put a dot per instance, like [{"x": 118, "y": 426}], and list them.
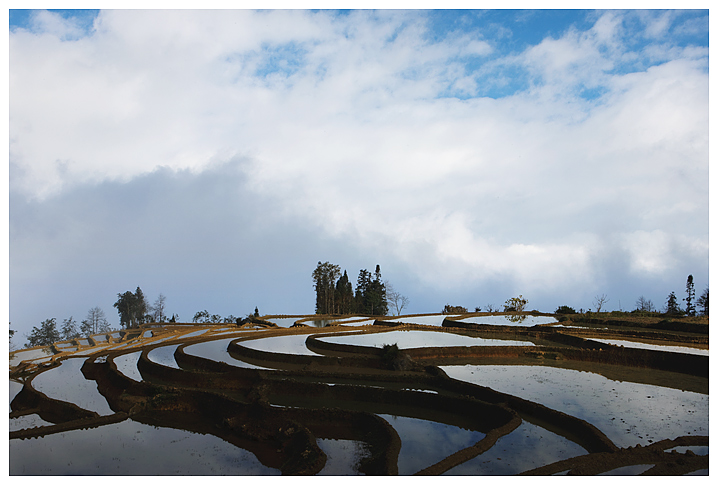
[
  {"x": 448, "y": 309},
  {"x": 565, "y": 309}
]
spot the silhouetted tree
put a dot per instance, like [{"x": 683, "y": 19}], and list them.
[
  {"x": 690, "y": 297},
  {"x": 45, "y": 334},
  {"x": 69, "y": 329},
  {"x": 599, "y": 301},
  {"x": 325, "y": 276},
  {"x": 644, "y": 305},
  {"x": 703, "y": 302},
  {"x": 515, "y": 304},
  {"x": 95, "y": 322},
  {"x": 157, "y": 309},
  {"x": 132, "y": 308},
  {"x": 672, "y": 307},
  {"x": 344, "y": 295},
  {"x": 201, "y": 317},
  {"x": 396, "y": 299}
]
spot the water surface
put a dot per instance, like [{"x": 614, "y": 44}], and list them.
[
  {"x": 132, "y": 448},
  {"x": 527, "y": 447},
  {"x": 424, "y": 443},
  {"x": 66, "y": 383},
  {"x": 411, "y": 339},
  {"x": 628, "y": 413},
  {"x": 681, "y": 349},
  {"x": 216, "y": 350}
]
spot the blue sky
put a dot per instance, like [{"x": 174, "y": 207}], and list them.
[{"x": 217, "y": 156}]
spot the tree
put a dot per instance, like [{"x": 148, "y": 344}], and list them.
[
  {"x": 363, "y": 282},
  {"x": 396, "y": 299},
  {"x": 201, "y": 317},
  {"x": 672, "y": 307},
  {"x": 375, "y": 298},
  {"x": 515, "y": 304},
  {"x": 644, "y": 305},
  {"x": 95, "y": 322},
  {"x": 44, "y": 335},
  {"x": 157, "y": 309},
  {"x": 132, "y": 308},
  {"x": 599, "y": 301},
  {"x": 344, "y": 295},
  {"x": 703, "y": 302},
  {"x": 325, "y": 276},
  {"x": 690, "y": 297},
  {"x": 69, "y": 329}
]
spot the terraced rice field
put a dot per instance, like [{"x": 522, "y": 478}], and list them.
[{"x": 467, "y": 395}]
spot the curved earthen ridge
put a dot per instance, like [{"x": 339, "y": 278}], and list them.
[{"x": 278, "y": 413}]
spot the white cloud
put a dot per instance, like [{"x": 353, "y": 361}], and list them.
[{"x": 352, "y": 135}]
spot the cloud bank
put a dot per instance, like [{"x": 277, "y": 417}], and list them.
[{"x": 218, "y": 147}]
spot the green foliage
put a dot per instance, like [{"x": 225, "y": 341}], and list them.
[
  {"x": 46, "y": 334},
  {"x": 132, "y": 308},
  {"x": 565, "y": 310},
  {"x": 515, "y": 304}
]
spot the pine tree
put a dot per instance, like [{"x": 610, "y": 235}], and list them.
[
  {"x": 690, "y": 297},
  {"x": 325, "y": 277},
  {"x": 672, "y": 307},
  {"x": 46, "y": 334},
  {"x": 344, "y": 295},
  {"x": 362, "y": 290},
  {"x": 703, "y": 302},
  {"x": 69, "y": 329}
]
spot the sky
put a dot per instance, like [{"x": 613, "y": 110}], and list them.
[{"x": 217, "y": 156}]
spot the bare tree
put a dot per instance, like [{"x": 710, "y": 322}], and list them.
[
  {"x": 599, "y": 301},
  {"x": 645, "y": 305},
  {"x": 158, "y": 308},
  {"x": 395, "y": 299},
  {"x": 95, "y": 322}
]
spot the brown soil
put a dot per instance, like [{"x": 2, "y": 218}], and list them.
[{"x": 239, "y": 405}]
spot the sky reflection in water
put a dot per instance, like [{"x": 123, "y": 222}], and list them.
[
  {"x": 67, "y": 383},
  {"x": 132, "y": 448},
  {"x": 410, "y": 339},
  {"x": 424, "y": 443},
  {"x": 628, "y": 413},
  {"x": 525, "y": 448}
]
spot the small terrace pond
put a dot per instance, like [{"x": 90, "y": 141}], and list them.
[
  {"x": 217, "y": 350},
  {"x": 410, "y": 339},
  {"x": 681, "y": 349},
  {"x": 284, "y": 344},
  {"x": 132, "y": 448},
  {"x": 66, "y": 383},
  {"x": 127, "y": 365},
  {"x": 628, "y": 413},
  {"x": 164, "y": 355},
  {"x": 511, "y": 320},
  {"x": 527, "y": 447},
  {"x": 424, "y": 443}
]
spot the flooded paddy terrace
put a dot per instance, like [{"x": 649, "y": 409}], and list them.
[{"x": 423, "y": 394}]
